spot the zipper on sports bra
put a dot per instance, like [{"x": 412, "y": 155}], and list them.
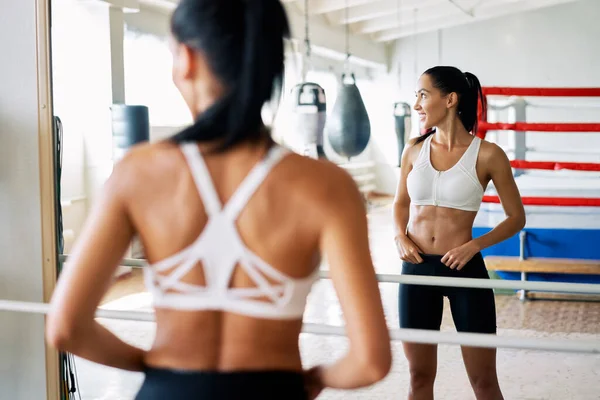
[{"x": 435, "y": 187}]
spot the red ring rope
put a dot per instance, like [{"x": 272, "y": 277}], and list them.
[
  {"x": 540, "y": 127},
  {"x": 554, "y": 165},
  {"x": 550, "y": 92},
  {"x": 551, "y": 201},
  {"x": 484, "y": 126}
]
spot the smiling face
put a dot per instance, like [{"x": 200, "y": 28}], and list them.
[{"x": 433, "y": 106}]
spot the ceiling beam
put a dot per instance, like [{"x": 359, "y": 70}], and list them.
[
  {"x": 326, "y": 6},
  {"x": 324, "y": 35},
  {"x": 406, "y": 19},
  {"x": 461, "y": 8},
  {"x": 376, "y": 9},
  {"x": 425, "y": 15},
  {"x": 481, "y": 13}
]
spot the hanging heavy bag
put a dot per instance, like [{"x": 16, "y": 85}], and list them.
[
  {"x": 130, "y": 126},
  {"x": 306, "y": 120},
  {"x": 348, "y": 127},
  {"x": 402, "y": 118}
]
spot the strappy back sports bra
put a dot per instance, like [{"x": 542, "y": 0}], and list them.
[{"x": 220, "y": 249}]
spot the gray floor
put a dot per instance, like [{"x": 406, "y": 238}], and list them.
[{"x": 524, "y": 374}]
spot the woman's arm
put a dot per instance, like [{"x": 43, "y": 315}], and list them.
[
  {"x": 71, "y": 326},
  {"x": 407, "y": 249},
  {"x": 500, "y": 173},
  {"x": 504, "y": 182},
  {"x": 345, "y": 243}
]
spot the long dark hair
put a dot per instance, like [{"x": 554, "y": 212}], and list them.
[
  {"x": 242, "y": 41},
  {"x": 466, "y": 86}
]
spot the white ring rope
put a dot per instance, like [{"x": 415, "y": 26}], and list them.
[
  {"x": 584, "y": 288},
  {"x": 497, "y": 104},
  {"x": 579, "y": 106},
  {"x": 557, "y": 287},
  {"x": 406, "y": 335}
]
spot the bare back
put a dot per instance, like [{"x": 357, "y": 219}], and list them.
[{"x": 281, "y": 224}]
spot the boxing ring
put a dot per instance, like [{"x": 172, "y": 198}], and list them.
[{"x": 561, "y": 198}]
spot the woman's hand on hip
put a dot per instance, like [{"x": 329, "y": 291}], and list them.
[
  {"x": 458, "y": 257},
  {"x": 408, "y": 250}
]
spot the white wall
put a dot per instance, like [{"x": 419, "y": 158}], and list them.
[
  {"x": 22, "y": 351},
  {"x": 555, "y": 46}
]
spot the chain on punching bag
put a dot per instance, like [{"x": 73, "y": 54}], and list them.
[
  {"x": 348, "y": 127},
  {"x": 307, "y": 119},
  {"x": 403, "y": 126}
]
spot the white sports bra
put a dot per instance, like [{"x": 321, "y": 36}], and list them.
[
  {"x": 220, "y": 248},
  {"x": 457, "y": 187}
]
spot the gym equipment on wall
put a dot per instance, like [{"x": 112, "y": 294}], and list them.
[{"x": 402, "y": 117}]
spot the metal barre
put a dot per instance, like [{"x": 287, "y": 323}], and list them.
[
  {"x": 406, "y": 335},
  {"x": 557, "y": 287}
]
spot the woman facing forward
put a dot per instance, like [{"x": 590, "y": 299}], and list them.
[{"x": 443, "y": 177}]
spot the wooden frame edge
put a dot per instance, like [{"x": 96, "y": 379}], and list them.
[{"x": 47, "y": 180}]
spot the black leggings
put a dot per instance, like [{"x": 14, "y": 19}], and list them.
[
  {"x": 420, "y": 307},
  {"x": 163, "y": 384}
]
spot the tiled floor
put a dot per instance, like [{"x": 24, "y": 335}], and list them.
[{"x": 524, "y": 374}]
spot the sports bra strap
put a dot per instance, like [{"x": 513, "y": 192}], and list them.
[
  {"x": 470, "y": 159},
  {"x": 204, "y": 183},
  {"x": 257, "y": 175},
  {"x": 423, "y": 157}
]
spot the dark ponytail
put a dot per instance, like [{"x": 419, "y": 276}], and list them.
[
  {"x": 467, "y": 87},
  {"x": 468, "y": 106},
  {"x": 242, "y": 41}
]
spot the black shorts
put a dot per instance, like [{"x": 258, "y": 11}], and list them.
[
  {"x": 420, "y": 307},
  {"x": 162, "y": 384}
]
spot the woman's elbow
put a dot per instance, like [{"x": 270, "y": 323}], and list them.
[
  {"x": 378, "y": 365},
  {"x": 521, "y": 220},
  {"x": 60, "y": 333},
  {"x": 381, "y": 368}
]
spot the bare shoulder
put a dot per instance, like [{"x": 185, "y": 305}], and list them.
[
  {"x": 492, "y": 152},
  {"x": 411, "y": 151},
  {"x": 414, "y": 144},
  {"x": 319, "y": 182},
  {"x": 143, "y": 164}
]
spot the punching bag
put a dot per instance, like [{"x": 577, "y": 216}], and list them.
[
  {"x": 348, "y": 126},
  {"x": 306, "y": 120},
  {"x": 130, "y": 126},
  {"x": 403, "y": 126}
]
